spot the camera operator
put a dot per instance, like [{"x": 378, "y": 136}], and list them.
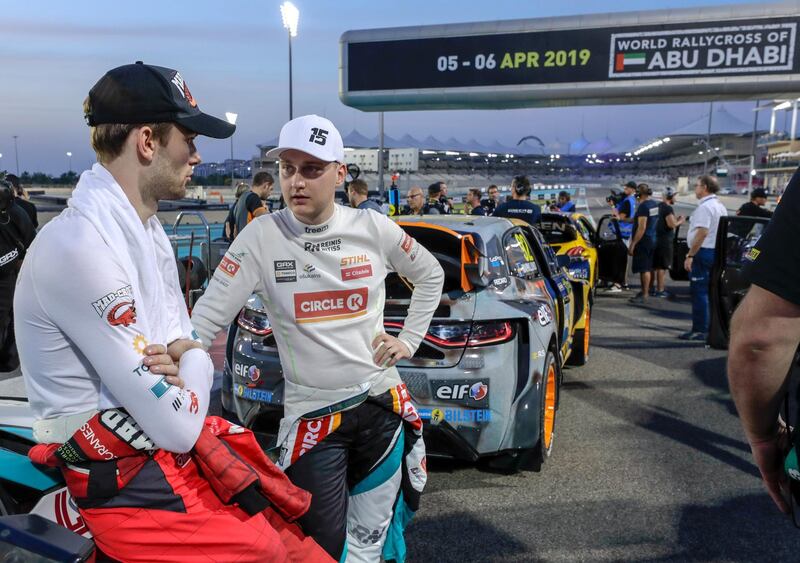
[
  {"x": 16, "y": 235},
  {"x": 22, "y": 199}
]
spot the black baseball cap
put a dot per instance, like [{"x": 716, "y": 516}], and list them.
[
  {"x": 631, "y": 185},
  {"x": 141, "y": 93},
  {"x": 758, "y": 192}
]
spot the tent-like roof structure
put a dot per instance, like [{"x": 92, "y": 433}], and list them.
[
  {"x": 722, "y": 123},
  {"x": 354, "y": 139}
]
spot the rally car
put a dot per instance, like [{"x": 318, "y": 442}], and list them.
[
  {"x": 573, "y": 235},
  {"x": 736, "y": 239},
  {"x": 488, "y": 371}
]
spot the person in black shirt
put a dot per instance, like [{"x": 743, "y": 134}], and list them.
[
  {"x": 21, "y": 199},
  {"x": 765, "y": 332},
  {"x": 251, "y": 204},
  {"x": 434, "y": 204},
  {"x": 755, "y": 207},
  {"x": 474, "y": 202},
  {"x": 520, "y": 206},
  {"x": 16, "y": 235},
  {"x": 492, "y": 201},
  {"x": 230, "y": 220},
  {"x": 643, "y": 241},
  {"x": 665, "y": 235}
]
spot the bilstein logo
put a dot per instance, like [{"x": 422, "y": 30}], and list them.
[{"x": 321, "y": 306}]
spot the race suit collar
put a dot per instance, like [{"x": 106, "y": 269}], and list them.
[{"x": 315, "y": 231}]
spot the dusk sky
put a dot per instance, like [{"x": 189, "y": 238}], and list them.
[{"x": 234, "y": 57}]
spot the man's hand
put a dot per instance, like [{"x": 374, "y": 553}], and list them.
[
  {"x": 631, "y": 249},
  {"x": 768, "y": 455},
  {"x": 687, "y": 264},
  {"x": 177, "y": 348},
  {"x": 680, "y": 220},
  {"x": 158, "y": 360},
  {"x": 389, "y": 350}
]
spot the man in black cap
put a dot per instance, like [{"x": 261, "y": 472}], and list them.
[
  {"x": 755, "y": 207},
  {"x": 117, "y": 382}
]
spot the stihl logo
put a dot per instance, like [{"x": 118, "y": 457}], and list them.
[
  {"x": 228, "y": 266},
  {"x": 330, "y": 305},
  {"x": 353, "y": 260}
]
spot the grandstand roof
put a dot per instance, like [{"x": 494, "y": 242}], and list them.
[{"x": 722, "y": 123}]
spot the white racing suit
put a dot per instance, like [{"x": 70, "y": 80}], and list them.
[{"x": 323, "y": 288}]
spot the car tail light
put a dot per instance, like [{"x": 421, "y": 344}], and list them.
[
  {"x": 459, "y": 335},
  {"x": 254, "y": 321},
  {"x": 576, "y": 251}
]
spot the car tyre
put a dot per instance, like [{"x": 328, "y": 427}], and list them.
[
  {"x": 581, "y": 342},
  {"x": 547, "y": 415}
]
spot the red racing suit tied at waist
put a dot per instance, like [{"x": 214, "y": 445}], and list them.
[{"x": 108, "y": 451}]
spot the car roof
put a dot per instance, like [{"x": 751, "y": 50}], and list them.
[{"x": 483, "y": 226}]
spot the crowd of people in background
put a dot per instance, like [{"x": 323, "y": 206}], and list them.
[{"x": 646, "y": 226}]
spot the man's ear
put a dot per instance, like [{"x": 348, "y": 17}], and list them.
[
  {"x": 145, "y": 142},
  {"x": 341, "y": 174}
]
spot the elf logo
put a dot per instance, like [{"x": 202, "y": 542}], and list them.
[
  {"x": 321, "y": 306},
  {"x": 460, "y": 391}
]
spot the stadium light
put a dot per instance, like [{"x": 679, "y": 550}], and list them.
[
  {"x": 666, "y": 139},
  {"x": 291, "y": 17},
  {"x": 69, "y": 156},
  {"x": 231, "y": 117}
]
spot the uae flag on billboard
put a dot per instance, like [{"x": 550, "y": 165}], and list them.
[{"x": 626, "y": 60}]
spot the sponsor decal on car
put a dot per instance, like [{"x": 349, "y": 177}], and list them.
[
  {"x": 101, "y": 305},
  {"x": 244, "y": 371},
  {"x": 544, "y": 315},
  {"x": 501, "y": 283},
  {"x": 229, "y": 266},
  {"x": 285, "y": 271},
  {"x": 580, "y": 272},
  {"x": 467, "y": 391},
  {"x": 496, "y": 262},
  {"x": 253, "y": 394},
  {"x": 752, "y": 255},
  {"x": 436, "y": 416},
  {"x": 319, "y": 306},
  {"x": 332, "y": 245}
]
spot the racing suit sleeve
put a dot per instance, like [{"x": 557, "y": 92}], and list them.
[
  {"x": 89, "y": 298},
  {"x": 236, "y": 278},
  {"x": 411, "y": 260}
]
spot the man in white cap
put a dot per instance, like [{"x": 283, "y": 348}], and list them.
[{"x": 350, "y": 434}]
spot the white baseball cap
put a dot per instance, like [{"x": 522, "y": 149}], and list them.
[{"x": 313, "y": 135}]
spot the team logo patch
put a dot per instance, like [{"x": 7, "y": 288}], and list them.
[
  {"x": 183, "y": 89},
  {"x": 321, "y": 306},
  {"x": 122, "y": 314},
  {"x": 332, "y": 245},
  {"x": 228, "y": 266},
  {"x": 311, "y": 432},
  {"x": 139, "y": 344},
  {"x": 285, "y": 271},
  {"x": 101, "y": 305}
]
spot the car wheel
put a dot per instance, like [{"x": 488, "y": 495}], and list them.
[
  {"x": 581, "y": 342},
  {"x": 548, "y": 409}
]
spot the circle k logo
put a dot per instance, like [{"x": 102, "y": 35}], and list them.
[{"x": 355, "y": 302}]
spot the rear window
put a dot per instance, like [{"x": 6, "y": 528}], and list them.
[
  {"x": 447, "y": 251},
  {"x": 557, "y": 229}
]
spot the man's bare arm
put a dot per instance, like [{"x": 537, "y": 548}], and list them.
[{"x": 764, "y": 336}]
